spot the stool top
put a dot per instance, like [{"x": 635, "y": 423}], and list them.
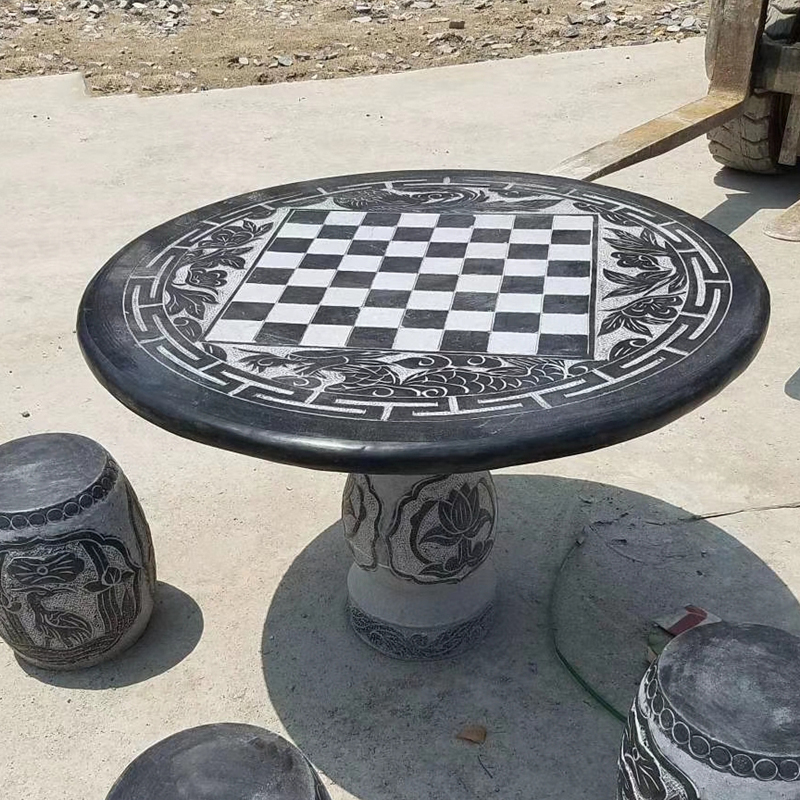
[
  {"x": 737, "y": 684},
  {"x": 223, "y": 761},
  {"x": 38, "y": 471}
]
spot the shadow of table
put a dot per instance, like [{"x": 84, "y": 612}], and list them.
[{"x": 386, "y": 730}]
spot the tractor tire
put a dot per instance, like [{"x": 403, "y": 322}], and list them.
[{"x": 752, "y": 141}]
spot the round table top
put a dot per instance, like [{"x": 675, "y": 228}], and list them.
[{"x": 423, "y": 321}]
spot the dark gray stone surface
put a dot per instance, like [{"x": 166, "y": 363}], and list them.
[
  {"x": 739, "y": 683},
  {"x": 716, "y": 718},
  {"x": 77, "y": 569},
  {"x": 40, "y": 470},
  {"x": 418, "y": 322},
  {"x": 223, "y": 761}
]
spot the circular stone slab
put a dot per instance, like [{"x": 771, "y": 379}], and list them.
[
  {"x": 420, "y": 322},
  {"x": 40, "y": 470},
  {"x": 740, "y": 684},
  {"x": 224, "y": 761}
]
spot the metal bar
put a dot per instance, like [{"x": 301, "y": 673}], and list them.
[
  {"x": 791, "y": 134},
  {"x": 778, "y": 68},
  {"x": 737, "y": 40},
  {"x": 652, "y": 139},
  {"x": 739, "y": 34}
]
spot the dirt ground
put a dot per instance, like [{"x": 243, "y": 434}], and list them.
[{"x": 157, "y": 46}]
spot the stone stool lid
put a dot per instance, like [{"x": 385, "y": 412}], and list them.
[
  {"x": 733, "y": 692},
  {"x": 224, "y": 761},
  {"x": 38, "y": 472}
]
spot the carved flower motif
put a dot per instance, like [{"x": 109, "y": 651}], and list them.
[
  {"x": 653, "y": 309},
  {"x": 640, "y": 314},
  {"x": 110, "y": 576},
  {"x": 229, "y": 237},
  {"x": 57, "y": 624},
  {"x": 8, "y": 603},
  {"x": 234, "y": 236},
  {"x": 639, "y": 775},
  {"x": 206, "y": 278},
  {"x": 461, "y": 520},
  {"x": 461, "y": 512},
  {"x": 52, "y": 570},
  {"x": 636, "y": 261}
]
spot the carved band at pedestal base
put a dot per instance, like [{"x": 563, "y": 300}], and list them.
[{"x": 415, "y": 644}]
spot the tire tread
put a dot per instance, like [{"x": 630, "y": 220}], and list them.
[{"x": 748, "y": 142}]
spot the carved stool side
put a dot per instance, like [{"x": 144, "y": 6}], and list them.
[
  {"x": 224, "y": 761},
  {"x": 717, "y": 717},
  {"x": 77, "y": 571}
]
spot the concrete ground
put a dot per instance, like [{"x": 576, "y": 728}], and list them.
[{"x": 250, "y": 624}]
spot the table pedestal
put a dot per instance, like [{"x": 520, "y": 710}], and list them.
[{"x": 421, "y": 586}]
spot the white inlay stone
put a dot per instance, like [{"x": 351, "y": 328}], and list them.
[
  {"x": 331, "y": 246},
  {"x": 469, "y": 321},
  {"x": 394, "y": 280},
  {"x": 441, "y": 266},
  {"x": 291, "y": 312},
  {"x": 533, "y": 236},
  {"x": 325, "y": 336},
  {"x": 424, "y": 339},
  {"x": 434, "y": 301},
  {"x": 565, "y": 323},
  {"x": 345, "y": 218},
  {"x": 407, "y": 248},
  {"x": 451, "y": 235},
  {"x": 379, "y": 318},
  {"x": 311, "y": 277}
]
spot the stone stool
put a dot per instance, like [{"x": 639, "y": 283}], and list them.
[
  {"x": 717, "y": 717},
  {"x": 224, "y": 761},
  {"x": 77, "y": 573}
]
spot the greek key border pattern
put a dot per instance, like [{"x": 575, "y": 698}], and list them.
[
  {"x": 702, "y": 747},
  {"x": 153, "y": 329},
  {"x": 98, "y": 491}
]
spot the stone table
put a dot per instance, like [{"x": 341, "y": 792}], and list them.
[{"x": 417, "y": 329}]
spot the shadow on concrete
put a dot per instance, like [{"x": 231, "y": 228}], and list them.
[
  {"x": 386, "y": 730},
  {"x": 173, "y": 632},
  {"x": 750, "y": 194},
  {"x": 792, "y": 387}
]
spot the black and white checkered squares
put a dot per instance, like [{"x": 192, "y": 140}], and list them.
[{"x": 488, "y": 283}]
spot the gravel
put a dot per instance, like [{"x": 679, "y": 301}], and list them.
[{"x": 156, "y": 46}]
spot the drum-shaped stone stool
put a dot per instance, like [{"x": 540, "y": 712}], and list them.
[
  {"x": 77, "y": 572},
  {"x": 224, "y": 761},
  {"x": 717, "y": 717}
]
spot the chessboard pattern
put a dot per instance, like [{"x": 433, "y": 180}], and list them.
[{"x": 505, "y": 284}]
